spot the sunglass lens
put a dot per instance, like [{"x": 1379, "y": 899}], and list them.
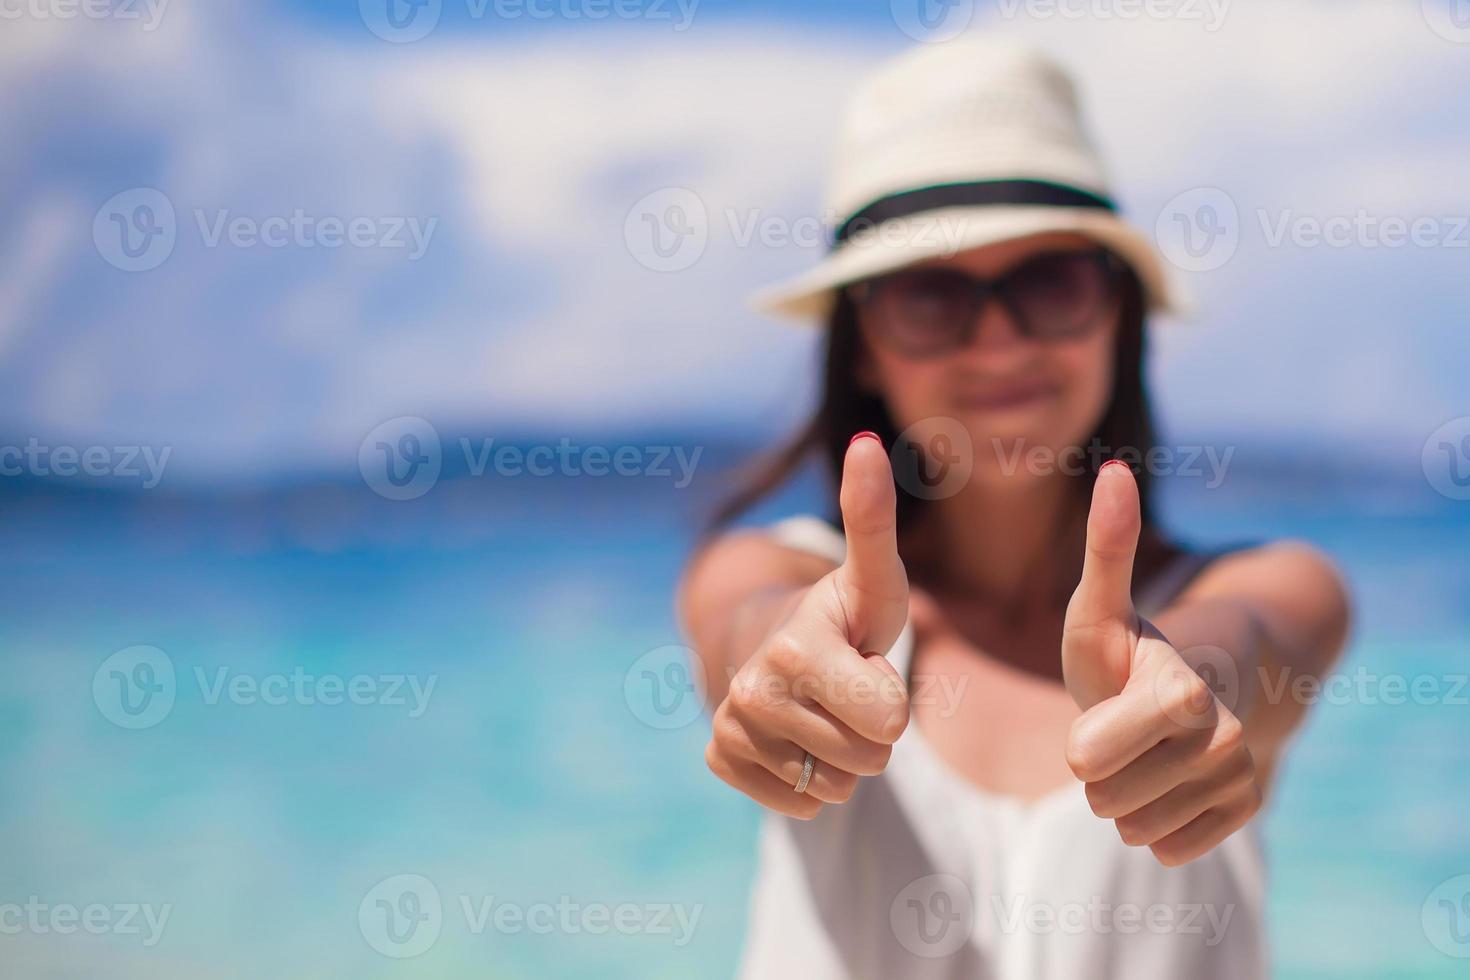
[
  {"x": 921, "y": 311},
  {"x": 1064, "y": 294}
]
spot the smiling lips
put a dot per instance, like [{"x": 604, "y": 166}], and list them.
[{"x": 1011, "y": 396}]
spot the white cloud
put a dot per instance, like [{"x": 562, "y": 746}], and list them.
[{"x": 530, "y": 309}]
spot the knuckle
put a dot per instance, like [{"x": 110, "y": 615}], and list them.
[
  {"x": 1242, "y": 773},
  {"x": 785, "y": 655},
  {"x": 716, "y": 760},
  {"x": 1101, "y": 798},
  {"x": 1229, "y": 732},
  {"x": 844, "y": 784},
  {"x": 806, "y": 808},
  {"x": 1253, "y": 801},
  {"x": 754, "y": 693},
  {"x": 1084, "y": 752},
  {"x": 1131, "y": 832},
  {"x": 1187, "y": 696},
  {"x": 1227, "y": 742},
  {"x": 727, "y": 733},
  {"x": 872, "y": 758},
  {"x": 893, "y": 722}
]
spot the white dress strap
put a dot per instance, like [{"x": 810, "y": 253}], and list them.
[
  {"x": 811, "y": 535},
  {"x": 874, "y": 889}
]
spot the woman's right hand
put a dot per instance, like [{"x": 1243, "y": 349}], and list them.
[{"x": 820, "y": 682}]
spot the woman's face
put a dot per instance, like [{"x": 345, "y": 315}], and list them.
[{"x": 1002, "y": 385}]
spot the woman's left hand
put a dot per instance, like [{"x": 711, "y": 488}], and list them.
[{"x": 1161, "y": 756}]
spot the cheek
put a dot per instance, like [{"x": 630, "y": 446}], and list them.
[
  {"x": 912, "y": 390},
  {"x": 1090, "y": 374}
]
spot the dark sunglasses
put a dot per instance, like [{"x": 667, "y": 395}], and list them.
[{"x": 928, "y": 311}]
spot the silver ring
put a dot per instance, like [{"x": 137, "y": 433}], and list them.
[{"x": 807, "y": 765}]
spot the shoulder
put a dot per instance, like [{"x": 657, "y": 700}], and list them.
[
  {"x": 1294, "y": 579},
  {"x": 1287, "y": 560},
  {"x": 796, "y": 551}
]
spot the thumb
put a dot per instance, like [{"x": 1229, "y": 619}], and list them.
[
  {"x": 1101, "y": 627},
  {"x": 1105, "y": 592},
  {"x": 875, "y": 586}
]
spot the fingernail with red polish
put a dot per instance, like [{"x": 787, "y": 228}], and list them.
[
  {"x": 865, "y": 435},
  {"x": 1111, "y": 462}
]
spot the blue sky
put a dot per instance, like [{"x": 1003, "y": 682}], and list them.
[{"x": 520, "y": 147}]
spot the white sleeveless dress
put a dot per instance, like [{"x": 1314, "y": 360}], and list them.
[{"x": 923, "y": 875}]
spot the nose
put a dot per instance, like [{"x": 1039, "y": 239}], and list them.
[{"x": 995, "y": 335}]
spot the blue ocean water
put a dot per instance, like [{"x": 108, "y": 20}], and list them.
[{"x": 566, "y": 825}]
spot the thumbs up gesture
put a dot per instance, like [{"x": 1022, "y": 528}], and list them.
[
  {"x": 819, "y": 684},
  {"x": 1159, "y": 754}
]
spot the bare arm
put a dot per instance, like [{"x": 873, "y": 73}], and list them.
[
  {"x": 1281, "y": 613},
  {"x": 1167, "y": 743},
  {"x": 792, "y": 649},
  {"x": 734, "y": 593}
]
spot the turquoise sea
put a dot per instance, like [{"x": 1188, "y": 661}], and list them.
[{"x": 457, "y": 689}]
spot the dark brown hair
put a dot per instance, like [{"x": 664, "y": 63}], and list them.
[{"x": 846, "y": 409}]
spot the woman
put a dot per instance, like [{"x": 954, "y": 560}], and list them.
[{"x": 1002, "y": 725}]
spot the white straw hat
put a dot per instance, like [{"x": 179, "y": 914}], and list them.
[{"x": 957, "y": 145}]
